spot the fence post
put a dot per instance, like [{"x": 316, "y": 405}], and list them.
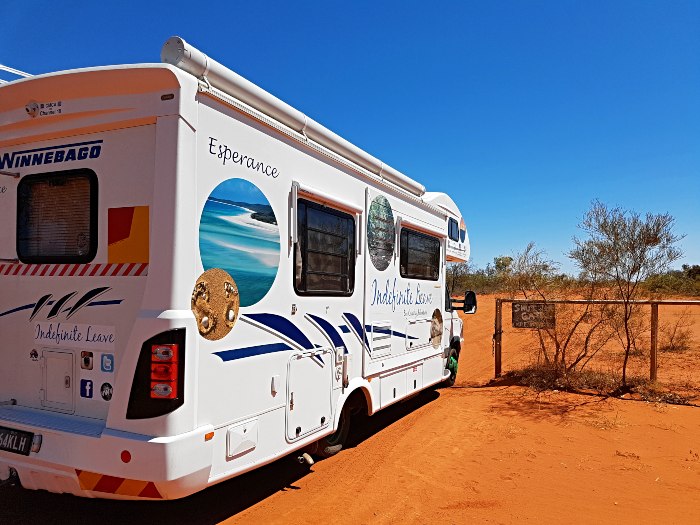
[
  {"x": 497, "y": 338},
  {"x": 654, "y": 340}
]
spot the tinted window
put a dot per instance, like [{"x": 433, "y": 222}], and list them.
[
  {"x": 453, "y": 230},
  {"x": 324, "y": 258},
  {"x": 57, "y": 217},
  {"x": 420, "y": 255}
]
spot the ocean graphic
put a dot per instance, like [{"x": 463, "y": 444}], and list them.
[{"x": 242, "y": 238}]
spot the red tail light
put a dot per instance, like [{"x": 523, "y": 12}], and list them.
[
  {"x": 158, "y": 387},
  {"x": 163, "y": 372},
  {"x": 164, "y": 353},
  {"x": 164, "y": 359}
]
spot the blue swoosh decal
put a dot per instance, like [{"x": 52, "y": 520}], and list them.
[
  {"x": 283, "y": 326},
  {"x": 57, "y": 307},
  {"x": 390, "y": 332},
  {"x": 105, "y": 303},
  {"x": 399, "y": 334},
  {"x": 356, "y": 326},
  {"x": 19, "y": 309},
  {"x": 250, "y": 351},
  {"x": 328, "y": 329},
  {"x": 39, "y": 305},
  {"x": 30, "y": 306}
]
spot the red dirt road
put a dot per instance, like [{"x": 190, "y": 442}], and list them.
[{"x": 468, "y": 454}]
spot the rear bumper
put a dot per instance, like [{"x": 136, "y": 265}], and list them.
[{"x": 86, "y": 459}]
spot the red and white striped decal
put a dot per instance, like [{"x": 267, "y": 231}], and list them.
[
  {"x": 114, "y": 485},
  {"x": 75, "y": 270}
]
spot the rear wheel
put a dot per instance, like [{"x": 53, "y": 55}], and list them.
[
  {"x": 451, "y": 366},
  {"x": 331, "y": 445}
]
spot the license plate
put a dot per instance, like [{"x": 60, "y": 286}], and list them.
[{"x": 16, "y": 441}]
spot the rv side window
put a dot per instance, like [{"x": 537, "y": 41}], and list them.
[
  {"x": 324, "y": 258},
  {"x": 453, "y": 230},
  {"x": 420, "y": 255},
  {"x": 57, "y": 217}
]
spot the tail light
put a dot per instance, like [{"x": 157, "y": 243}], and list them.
[
  {"x": 164, "y": 365},
  {"x": 158, "y": 385}
]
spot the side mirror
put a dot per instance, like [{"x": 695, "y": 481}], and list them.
[{"x": 469, "y": 302}]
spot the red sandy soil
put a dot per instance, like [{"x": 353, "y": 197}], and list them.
[{"x": 467, "y": 454}]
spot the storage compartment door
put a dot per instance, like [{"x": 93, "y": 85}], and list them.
[
  {"x": 58, "y": 378},
  {"x": 393, "y": 387},
  {"x": 417, "y": 334},
  {"x": 309, "y": 392}
]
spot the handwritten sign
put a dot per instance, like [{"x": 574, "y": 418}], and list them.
[
  {"x": 533, "y": 315},
  {"x": 394, "y": 294},
  {"x": 69, "y": 335},
  {"x": 230, "y": 155}
]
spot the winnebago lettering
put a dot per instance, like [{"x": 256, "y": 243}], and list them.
[{"x": 51, "y": 155}]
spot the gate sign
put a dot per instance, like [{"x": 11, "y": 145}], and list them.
[{"x": 533, "y": 315}]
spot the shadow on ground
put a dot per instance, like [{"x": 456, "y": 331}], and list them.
[{"x": 222, "y": 501}]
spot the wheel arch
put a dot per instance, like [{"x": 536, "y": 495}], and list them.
[{"x": 356, "y": 390}]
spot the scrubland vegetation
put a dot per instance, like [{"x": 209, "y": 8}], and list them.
[{"x": 622, "y": 256}]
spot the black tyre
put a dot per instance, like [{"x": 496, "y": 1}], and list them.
[
  {"x": 331, "y": 445},
  {"x": 451, "y": 366}
]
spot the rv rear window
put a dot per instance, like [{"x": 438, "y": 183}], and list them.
[
  {"x": 420, "y": 255},
  {"x": 324, "y": 258},
  {"x": 453, "y": 230},
  {"x": 57, "y": 217}
]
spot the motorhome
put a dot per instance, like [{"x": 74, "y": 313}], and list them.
[{"x": 197, "y": 279}]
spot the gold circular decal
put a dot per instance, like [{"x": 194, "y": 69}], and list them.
[{"x": 215, "y": 303}]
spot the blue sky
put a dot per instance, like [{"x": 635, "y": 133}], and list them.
[{"x": 524, "y": 112}]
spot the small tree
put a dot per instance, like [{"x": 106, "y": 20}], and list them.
[
  {"x": 502, "y": 271},
  {"x": 622, "y": 250},
  {"x": 502, "y": 264},
  {"x": 531, "y": 273},
  {"x": 691, "y": 272},
  {"x": 578, "y": 334}
]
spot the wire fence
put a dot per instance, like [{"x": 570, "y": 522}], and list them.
[{"x": 589, "y": 336}]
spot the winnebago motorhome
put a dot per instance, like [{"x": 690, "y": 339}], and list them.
[{"x": 196, "y": 279}]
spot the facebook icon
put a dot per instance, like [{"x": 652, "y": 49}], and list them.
[{"x": 86, "y": 388}]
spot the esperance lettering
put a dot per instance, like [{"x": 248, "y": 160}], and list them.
[
  {"x": 390, "y": 296},
  {"x": 227, "y": 154}
]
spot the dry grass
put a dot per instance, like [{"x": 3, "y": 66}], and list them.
[{"x": 543, "y": 378}]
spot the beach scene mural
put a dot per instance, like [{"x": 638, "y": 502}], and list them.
[{"x": 238, "y": 233}]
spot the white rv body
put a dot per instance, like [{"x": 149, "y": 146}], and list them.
[{"x": 126, "y": 193}]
